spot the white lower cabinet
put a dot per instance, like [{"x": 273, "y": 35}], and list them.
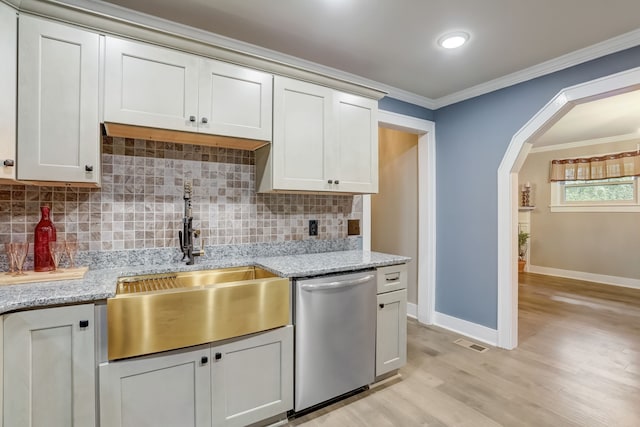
[
  {"x": 391, "y": 335},
  {"x": 49, "y": 367},
  {"x": 252, "y": 378},
  {"x": 234, "y": 383},
  {"x": 1, "y": 369},
  {"x": 391, "y": 329},
  {"x": 171, "y": 389}
]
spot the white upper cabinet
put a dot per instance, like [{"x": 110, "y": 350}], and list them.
[
  {"x": 323, "y": 140},
  {"x": 8, "y": 82},
  {"x": 58, "y": 100},
  {"x": 150, "y": 86},
  {"x": 235, "y": 101},
  {"x": 162, "y": 88},
  {"x": 301, "y": 135},
  {"x": 357, "y": 143}
]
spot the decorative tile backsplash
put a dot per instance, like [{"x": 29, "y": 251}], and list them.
[{"x": 140, "y": 203}]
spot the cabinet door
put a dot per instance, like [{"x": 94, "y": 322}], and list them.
[
  {"x": 356, "y": 143},
  {"x": 167, "y": 389},
  {"x": 58, "y": 97},
  {"x": 1, "y": 368},
  {"x": 150, "y": 86},
  {"x": 252, "y": 378},
  {"x": 302, "y": 131},
  {"x": 49, "y": 361},
  {"x": 8, "y": 84},
  {"x": 235, "y": 101},
  {"x": 391, "y": 335}
]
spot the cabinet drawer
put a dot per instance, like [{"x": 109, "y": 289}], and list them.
[{"x": 392, "y": 278}]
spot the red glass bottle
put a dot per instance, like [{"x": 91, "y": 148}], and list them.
[{"x": 45, "y": 233}]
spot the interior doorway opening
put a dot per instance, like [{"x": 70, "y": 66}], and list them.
[
  {"x": 426, "y": 232},
  {"x": 509, "y": 193},
  {"x": 394, "y": 210}
]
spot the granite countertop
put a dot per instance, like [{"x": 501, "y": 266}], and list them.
[{"x": 101, "y": 284}]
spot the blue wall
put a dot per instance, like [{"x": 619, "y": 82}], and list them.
[
  {"x": 471, "y": 139},
  {"x": 405, "y": 108}
]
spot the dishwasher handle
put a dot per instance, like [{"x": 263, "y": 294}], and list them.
[{"x": 335, "y": 285}]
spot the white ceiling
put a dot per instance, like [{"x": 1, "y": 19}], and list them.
[
  {"x": 599, "y": 120},
  {"x": 392, "y": 44}
]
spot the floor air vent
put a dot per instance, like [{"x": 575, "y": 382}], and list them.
[{"x": 471, "y": 345}]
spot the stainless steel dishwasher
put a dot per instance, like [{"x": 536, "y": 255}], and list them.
[{"x": 335, "y": 332}]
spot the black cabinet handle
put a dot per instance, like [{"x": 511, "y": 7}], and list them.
[
  {"x": 337, "y": 182},
  {"x": 204, "y": 360},
  {"x": 88, "y": 168},
  {"x": 218, "y": 356},
  {"x": 381, "y": 305},
  {"x": 192, "y": 118},
  {"x": 84, "y": 323},
  {"x": 9, "y": 163},
  {"x": 330, "y": 181}
]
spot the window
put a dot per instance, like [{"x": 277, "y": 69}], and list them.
[{"x": 602, "y": 195}]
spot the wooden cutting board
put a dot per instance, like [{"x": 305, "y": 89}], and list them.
[{"x": 32, "y": 276}]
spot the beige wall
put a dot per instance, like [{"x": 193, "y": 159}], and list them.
[
  {"x": 590, "y": 242},
  {"x": 394, "y": 210}
]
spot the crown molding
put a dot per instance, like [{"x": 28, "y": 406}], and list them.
[
  {"x": 412, "y": 98},
  {"x": 164, "y": 25},
  {"x": 615, "y": 44},
  {"x": 13, "y": 3},
  {"x": 585, "y": 143},
  {"x": 119, "y": 21},
  {"x": 150, "y": 21}
]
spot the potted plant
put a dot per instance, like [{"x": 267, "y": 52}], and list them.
[{"x": 523, "y": 237}]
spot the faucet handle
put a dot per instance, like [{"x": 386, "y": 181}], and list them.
[
  {"x": 199, "y": 251},
  {"x": 196, "y": 233}
]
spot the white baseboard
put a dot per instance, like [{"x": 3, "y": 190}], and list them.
[
  {"x": 469, "y": 329},
  {"x": 412, "y": 310},
  {"x": 589, "y": 277}
]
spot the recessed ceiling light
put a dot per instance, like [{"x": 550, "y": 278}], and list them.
[{"x": 453, "y": 40}]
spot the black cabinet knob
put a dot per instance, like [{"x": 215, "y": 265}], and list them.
[
  {"x": 84, "y": 323},
  {"x": 218, "y": 356},
  {"x": 192, "y": 118},
  {"x": 205, "y": 120},
  {"x": 204, "y": 360},
  {"x": 330, "y": 181},
  {"x": 9, "y": 162},
  {"x": 381, "y": 305},
  {"x": 337, "y": 182},
  {"x": 88, "y": 168}
]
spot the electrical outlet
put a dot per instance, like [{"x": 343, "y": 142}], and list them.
[
  {"x": 353, "y": 227},
  {"x": 313, "y": 227}
]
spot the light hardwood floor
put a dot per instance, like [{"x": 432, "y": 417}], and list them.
[{"x": 577, "y": 364}]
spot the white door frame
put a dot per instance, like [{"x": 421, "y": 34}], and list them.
[
  {"x": 425, "y": 130},
  {"x": 508, "y": 196}
]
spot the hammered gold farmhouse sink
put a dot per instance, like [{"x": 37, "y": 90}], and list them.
[{"x": 160, "y": 312}]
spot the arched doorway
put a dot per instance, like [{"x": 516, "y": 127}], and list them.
[{"x": 508, "y": 194}]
